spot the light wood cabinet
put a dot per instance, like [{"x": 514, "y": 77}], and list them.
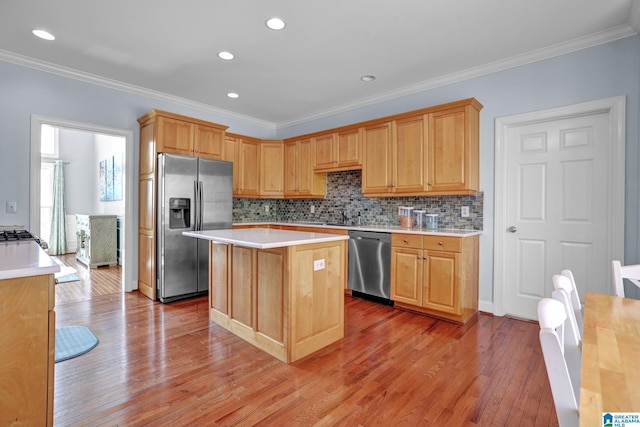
[
  {"x": 437, "y": 275},
  {"x": 395, "y": 157},
  {"x": 271, "y": 169},
  {"x": 181, "y": 135},
  {"x": 454, "y": 149},
  {"x": 338, "y": 151},
  {"x": 275, "y": 298},
  {"x": 300, "y": 180},
  {"x": 164, "y": 132},
  {"x": 28, "y": 350},
  {"x": 377, "y": 160},
  {"x": 432, "y": 153},
  {"x": 244, "y": 153},
  {"x": 257, "y": 166}
]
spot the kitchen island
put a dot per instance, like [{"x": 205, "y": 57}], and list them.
[
  {"x": 27, "y": 337},
  {"x": 280, "y": 290}
]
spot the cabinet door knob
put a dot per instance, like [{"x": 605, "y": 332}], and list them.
[
  {"x": 405, "y": 240},
  {"x": 440, "y": 243}
]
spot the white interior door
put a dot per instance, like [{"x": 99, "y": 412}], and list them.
[{"x": 558, "y": 208}]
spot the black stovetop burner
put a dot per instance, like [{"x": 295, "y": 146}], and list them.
[{"x": 14, "y": 235}]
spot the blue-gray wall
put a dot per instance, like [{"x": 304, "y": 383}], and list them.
[{"x": 603, "y": 71}]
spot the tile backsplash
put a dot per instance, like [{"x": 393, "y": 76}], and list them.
[{"x": 344, "y": 194}]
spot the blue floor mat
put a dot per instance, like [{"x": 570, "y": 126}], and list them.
[{"x": 73, "y": 341}]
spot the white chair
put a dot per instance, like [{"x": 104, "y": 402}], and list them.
[
  {"x": 574, "y": 296},
  {"x": 562, "y": 292},
  {"x": 565, "y": 389},
  {"x": 621, "y": 272}
]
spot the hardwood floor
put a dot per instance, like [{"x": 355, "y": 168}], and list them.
[
  {"x": 93, "y": 282},
  {"x": 168, "y": 365}
]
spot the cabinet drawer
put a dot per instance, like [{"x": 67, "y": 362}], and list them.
[
  {"x": 406, "y": 240},
  {"x": 443, "y": 243}
]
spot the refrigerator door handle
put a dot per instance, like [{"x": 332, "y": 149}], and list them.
[
  {"x": 196, "y": 207},
  {"x": 200, "y": 207}
]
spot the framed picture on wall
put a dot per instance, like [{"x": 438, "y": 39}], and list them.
[{"x": 111, "y": 179}]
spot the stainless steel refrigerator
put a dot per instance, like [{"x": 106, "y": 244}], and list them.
[{"x": 193, "y": 194}]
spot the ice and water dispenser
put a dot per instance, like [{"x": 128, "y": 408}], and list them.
[{"x": 179, "y": 212}]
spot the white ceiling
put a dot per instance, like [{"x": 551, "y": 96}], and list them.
[{"x": 168, "y": 48}]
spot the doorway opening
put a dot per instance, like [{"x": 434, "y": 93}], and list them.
[{"x": 97, "y": 166}]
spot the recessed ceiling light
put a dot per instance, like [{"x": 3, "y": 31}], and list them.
[
  {"x": 275, "y": 23},
  {"x": 368, "y": 78},
  {"x": 232, "y": 95},
  {"x": 45, "y": 35},
  {"x": 227, "y": 56}
]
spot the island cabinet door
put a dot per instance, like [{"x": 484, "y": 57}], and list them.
[
  {"x": 242, "y": 287},
  {"x": 219, "y": 278}
]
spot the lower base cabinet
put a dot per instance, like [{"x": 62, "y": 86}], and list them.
[
  {"x": 27, "y": 354},
  {"x": 436, "y": 275},
  {"x": 279, "y": 299}
]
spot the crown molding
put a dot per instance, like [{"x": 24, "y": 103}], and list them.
[
  {"x": 124, "y": 87},
  {"x": 580, "y": 43}
]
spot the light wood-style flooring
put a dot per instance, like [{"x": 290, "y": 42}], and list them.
[
  {"x": 168, "y": 365},
  {"x": 93, "y": 282}
]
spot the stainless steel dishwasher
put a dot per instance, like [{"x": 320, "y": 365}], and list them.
[{"x": 369, "y": 265}]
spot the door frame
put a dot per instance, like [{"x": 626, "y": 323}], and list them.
[
  {"x": 615, "y": 107},
  {"x": 128, "y": 284}
]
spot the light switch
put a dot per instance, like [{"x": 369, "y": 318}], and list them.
[{"x": 12, "y": 207}]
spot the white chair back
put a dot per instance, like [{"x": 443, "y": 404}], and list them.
[
  {"x": 621, "y": 272},
  {"x": 552, "y": 317},
  {"x": 575, "y": 300},
  {"x": 562, "y": 292}
]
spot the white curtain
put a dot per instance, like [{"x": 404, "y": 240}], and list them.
[{"x": 58, "y": 238}]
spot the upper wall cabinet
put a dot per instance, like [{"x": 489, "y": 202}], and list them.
[
  {"x": 395, "y": 159},
  {"x": 244, "y": 153},
  {"x": 431, "y": 153},
  {"x": 190, "y": 137},
  {"x": 300, "y": 180},
  {"x": 454, "y": 150},
  {"x": 338, "y": 151},
  {"x": 271, "y": 169}
]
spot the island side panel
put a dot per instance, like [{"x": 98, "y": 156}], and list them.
[
  {"x": 219, "y": 298},
  {"x": 317, "y": 296}
]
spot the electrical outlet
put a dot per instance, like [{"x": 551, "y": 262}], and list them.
[
  {"x": 464, "y": 211},
  {"x": 313, "y": 209},
  {"x": 266, "y": 208},
  {"x": 318, "y": 264}
]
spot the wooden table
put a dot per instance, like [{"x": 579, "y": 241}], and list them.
[{"x": 610, "y": 378}]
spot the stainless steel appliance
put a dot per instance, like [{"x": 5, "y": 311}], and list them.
[
  {"x": 370, "y": 265},
  {"x": 193, "y": 194}
]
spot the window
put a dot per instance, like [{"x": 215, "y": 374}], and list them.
[{"x": 49, "y": 141}]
